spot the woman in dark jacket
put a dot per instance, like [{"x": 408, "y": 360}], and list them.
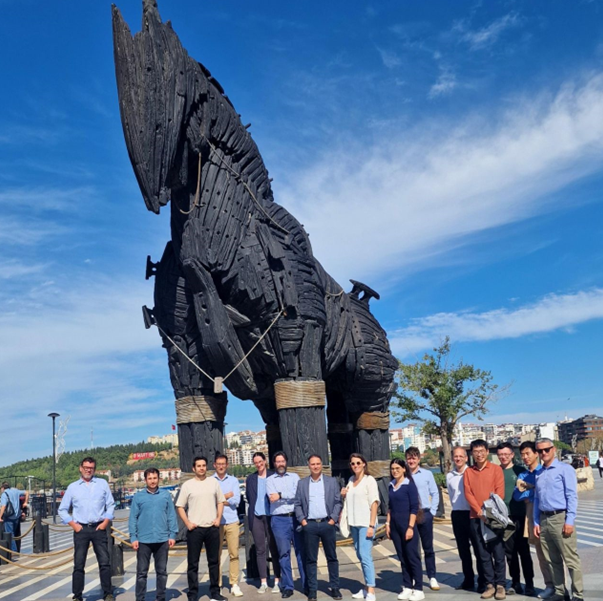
[
  {"x": 258, "y": 516},
  {"x": 401, "y": 527}
]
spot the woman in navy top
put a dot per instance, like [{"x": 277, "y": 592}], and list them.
[{"x": 401, "y": 527}]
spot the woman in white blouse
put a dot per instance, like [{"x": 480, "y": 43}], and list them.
[{"x": 362, "y": 501}]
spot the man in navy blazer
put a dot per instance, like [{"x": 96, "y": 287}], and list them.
[{"x": 317, "y": 508}]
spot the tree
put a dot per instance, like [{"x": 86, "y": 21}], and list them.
[{"x": 438, "y": 394}]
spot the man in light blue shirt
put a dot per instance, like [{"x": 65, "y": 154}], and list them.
[
  {"x": 11, "y": 497},
  {"x": 430, "y": 500},
  {"x": 555, "y": 507},
  {"x": 229, "y": 524},
  {"x": 281, "y": 488},
  {"x": 92, "y": 507},
  {"x": 153, "y": 529}
]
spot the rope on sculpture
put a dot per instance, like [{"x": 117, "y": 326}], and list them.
[
  {"x": 203, "y": 408},
  {"x": 24, "y": 567},
  {"x": 373, "y": 420},
  {"x": 36, "y": 555},
  {"x": 291, "y": 394},
  {"x": 378, "y": 468}
]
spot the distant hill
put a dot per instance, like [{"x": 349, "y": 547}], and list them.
[{"x": 114, "y": 458}]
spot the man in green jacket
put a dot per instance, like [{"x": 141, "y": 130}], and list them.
[{"x": 153, "y": 528}]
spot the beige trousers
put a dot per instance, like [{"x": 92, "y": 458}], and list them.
[
  {"x": 542, "y": 562},
  {"x": 558, "y": 549},
  {"x": 231, "y": 531}
]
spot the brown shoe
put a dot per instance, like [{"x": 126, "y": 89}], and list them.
[
  {"x": 500, "y": 593},
  {"x": 489, "y": 592}
]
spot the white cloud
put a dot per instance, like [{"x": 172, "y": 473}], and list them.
[
  {"x": 16, "y": 269},
  {"x": 390, "y": 59},
  {"x": 553, "y": 312},
  {"x": 488, "y": 35},
  {"x": 445, "y": 83},
  {"x": 415, "y": 194}
]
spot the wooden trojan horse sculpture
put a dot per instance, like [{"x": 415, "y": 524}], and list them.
[{"x": 240, "y": 299}]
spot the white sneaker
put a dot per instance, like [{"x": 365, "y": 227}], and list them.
[
  {"x": 370, "y": 597},
  {"x": 433, "y": 585},
  {"x": 418, "y": 595},
  {"x": 276, "y": 589},
  {"x": 361, "y": 594},
  {"x": 547, "y": 593},
  {"x": 263, "y": 588},
  {"x": 405, "y": 594},
  {"x": 236, "y": 591}
]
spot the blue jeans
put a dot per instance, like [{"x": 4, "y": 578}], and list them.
[
  {"x": 12, "y": 527},
  {"x": 284, "y": 529},
  {"x": 364, "y": 551}
]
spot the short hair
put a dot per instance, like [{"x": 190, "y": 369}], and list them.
[
  {"x": 5, "y": 485},
  {"x": 504, "y": 445},
  {"x": 220, "y": 456},
  {"x": 478, "y": 442},
  {"x": 543, "y": 440},
  {"x": 151, "y": 470},
  {"x": 528, "y": 444},
  {"x": 459, "y": 447},
  {"x": 199, "y": 458},
  {"x": 362, "y": 458},
  {"x": 88, "y": 460},
  {"x": 259, "y": 454},
  {"x": 412, "y": 452},
  {"x": 279, "y": 454},
  {"x": 314, "y": 455}
]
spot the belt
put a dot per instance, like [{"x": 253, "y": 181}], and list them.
[
  {"x": 548, "y": 514},
  {"x": 317, "y": 520},
  {"x": 91, "y": 524},
  {"x": 284, "y": 515}
]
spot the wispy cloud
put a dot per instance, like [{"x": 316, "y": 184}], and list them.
[
  {"x": 445, "y": 83},
  {"x": 390, "y": 59},
  {"x": 487, "y": 36},
  {"x": 412, "y": 195},
  {"x": 554, "y": 312},
  {"x": 17, "y": 269}
]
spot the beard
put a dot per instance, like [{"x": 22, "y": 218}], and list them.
[{"x": 281, "y": 470}]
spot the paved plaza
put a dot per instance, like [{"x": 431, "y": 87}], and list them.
[{"x": 20, "y": 584}]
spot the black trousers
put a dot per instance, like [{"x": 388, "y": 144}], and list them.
[
  {"x": 408, "y": 554},
  {"x": 425, "y": 529},
  {"x": 262, "y": 533},
  {"x": 195, "y": 539},
  {"x": 81, "y": 543},
  {"x": 159, "y": 551},
  {"x": 461, "y": 527},
  {"x": 517, "y": 548},
  {"x": 325, "y": 533},
  {"x": 491, "y": 555}
]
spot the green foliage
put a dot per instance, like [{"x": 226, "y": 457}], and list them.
[
  {"x": 440, "y": 479},
  {"x": 431, "y": 457},
  {"x": 114, "y": 458},
  {"x": 562, "y": 446}
]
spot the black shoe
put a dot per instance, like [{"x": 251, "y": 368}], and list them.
[
  {"x": 518, "y": 588},
  {"x": 465, "y": 586},
  {"x": 530, "y": 591},
  {"x": 287, "y": 593},
  {"x": 76, "y": 598},
  {"x": 218, "y": 597},
  {"x": 312, "y": 596},
  {"x": 336, "y": 593}
]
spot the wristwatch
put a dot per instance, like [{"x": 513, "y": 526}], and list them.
[{"x": 280, "y": 496}]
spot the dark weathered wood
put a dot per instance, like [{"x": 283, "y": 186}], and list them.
[
  {"x": 203, "y": 439},
  {"x": 237, "y": 259}
]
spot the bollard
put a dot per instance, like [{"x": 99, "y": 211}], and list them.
[
  {"x": 116, "y": 554},
  {"x": 40, "y": 536},
  {"x": 6, "y": 540}
]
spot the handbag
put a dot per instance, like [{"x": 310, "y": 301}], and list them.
[{"x": 9, "y": 510}]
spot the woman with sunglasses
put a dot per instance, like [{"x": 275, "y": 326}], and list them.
[
  {"x": 401, "y": 527},
  {"x": 362, "y": 501}
]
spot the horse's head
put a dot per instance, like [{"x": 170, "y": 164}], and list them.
[{"x": 157, "y": 84}]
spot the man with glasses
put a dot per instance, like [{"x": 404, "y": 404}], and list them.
[
  {"x": 555, "y": 507},
  {"x": 481, "y": 479},
  {"x": 93, "y": 505},
  {"x": 517, "y": 546}
]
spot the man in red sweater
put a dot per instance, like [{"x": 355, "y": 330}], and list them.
[{"x": 481, "y": 479}]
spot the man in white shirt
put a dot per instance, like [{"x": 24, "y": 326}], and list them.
[{"x": 461, "y": 523}]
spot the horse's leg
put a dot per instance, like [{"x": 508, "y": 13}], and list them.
[
  {"x": 199, "y": 411},
  {"x": 340, "y": 434}
]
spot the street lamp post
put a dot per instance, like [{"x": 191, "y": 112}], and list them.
[{"x": 54, "y": 468}]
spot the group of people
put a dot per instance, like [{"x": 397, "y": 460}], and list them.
[
  {"x": 499, "y": 510},
  {"x": 534, "y": 504}
]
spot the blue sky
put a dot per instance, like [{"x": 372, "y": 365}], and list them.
[{"x": 448, "y": 154}]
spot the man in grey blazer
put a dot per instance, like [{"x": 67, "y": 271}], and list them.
[{"x": 317, "y": 509}]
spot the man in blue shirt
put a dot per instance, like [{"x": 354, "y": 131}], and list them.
[
  {"x": 281, "y": 488},
  {"x": 555, "y": 508},
  {"x": 153, "y": 530},
  {"x": 430, "y": 500},
  {"x": 229, "y": 524},
  {"x": 92, "y": 510},
  {"x": 11, "y": 497}
]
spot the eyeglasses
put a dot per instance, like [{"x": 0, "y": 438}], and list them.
[
  {"x": 355, "y": 462},
  {"x": 540, "y": 451},
  {"x": 89, "y": 467}
]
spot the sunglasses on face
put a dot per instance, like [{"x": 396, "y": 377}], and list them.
[
  {"x": 541, "y": 451},
  {"x": 355, "y": 462}
]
